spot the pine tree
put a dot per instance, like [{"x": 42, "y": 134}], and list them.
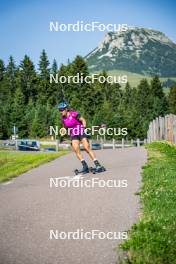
[
  {"x": 54, "y": 67},
  {"x": 115, "y": 96},
  {"x": 65, "y": 90},
  {"x": 29, "y": 116},
  {"x": 144, "y": 106},
  {"x": 160, "y": 105},
  {"x": 83, "y": 92},
  {"x": 11, "y": 75},
  {"x": 53, "y": 88},
  {"x": 172, "y": 100},
  {"x": 128, "y": 95},
  {"x": 4, "y": 95},
  {"x": 27, "y": 79},
  {"x": 156, "y": 87},
  {"x": 55, "y": 118},
  {"x": 44, "y": 76},
  {"x": 39, "y": 127},
  {"x": 43, "y": 66},
  {"x": 2, "y": 70},
  {"x": 18, "y": 113},
  {"x": 79, "y": 66},
  {"x": 2, "y": 121}
]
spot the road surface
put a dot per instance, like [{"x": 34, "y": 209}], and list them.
[{"x": 32, "y": 209}]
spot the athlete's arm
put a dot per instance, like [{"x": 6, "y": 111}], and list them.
[
  {"x": 62, "y": 131},
  {"x": 82, "y": 120}
]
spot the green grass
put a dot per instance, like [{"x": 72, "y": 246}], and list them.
[
  {"x": 13, "y": 164},
  {"x": 153, "y": 239},
  {"x": 134, "y": 78}
]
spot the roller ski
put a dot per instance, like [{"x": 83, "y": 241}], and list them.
[
  {"x": 93, "y": 170},
  {"x": 81, "y": 172},
  {"x": 97, "y": 169},
  {"x": 85, "y": 169}
]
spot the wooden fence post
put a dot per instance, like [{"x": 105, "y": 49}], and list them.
[
  {"x": 101, "y": 143},
  {"x": 113, "y": 143},
  {"x": 57, "y": 145},
  {"x": 138, "y": 142},
  {"x": 123, "y": 145},
  {"x": 16, "y": 144}
]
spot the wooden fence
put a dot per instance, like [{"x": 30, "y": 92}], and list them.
[{"x": 162, "y": 128}]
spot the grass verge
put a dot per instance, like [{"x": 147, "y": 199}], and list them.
[
  {"x": 153, "y": 239},
  {"x": 13, "y": 164}
]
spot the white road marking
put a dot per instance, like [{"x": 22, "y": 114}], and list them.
[{"x": 73, "y": 177}]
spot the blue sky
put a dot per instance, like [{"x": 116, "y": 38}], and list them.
[{"x": 25, "y": 25}]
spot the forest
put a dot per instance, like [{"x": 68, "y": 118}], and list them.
[{"x": 29, "y": 100}]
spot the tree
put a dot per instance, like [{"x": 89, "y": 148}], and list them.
[
  {"x": 54, "y": 67},
  {"x": 144, "y": 107},
  {"x": 79, "y": 66},
  {"x": 2, "y": 69},
  {"x": 11, "y": 75},
  {"x": 83, "y": 91},
  {"x": 27, "y": 79},
  {"x": 160, "y": 105},
  {"x": 39, "y": 127},
  {"x": 29, "y": 116},
  {"x": 43, "y": 66},
  {"x": 18, "y": 113},
  {"x": 5, "y": 99},
  {"x": 44, "y": 72},
  {"x": 172, "y": 100},
  {"x": 53, "y": 88}
]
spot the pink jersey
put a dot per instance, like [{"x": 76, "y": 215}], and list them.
[{"x": 75, "y": 126}]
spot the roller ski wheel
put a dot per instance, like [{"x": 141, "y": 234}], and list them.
[{"x": 76, "y": 172}]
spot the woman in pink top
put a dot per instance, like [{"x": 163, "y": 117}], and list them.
[{"x": 76, "y": 125}]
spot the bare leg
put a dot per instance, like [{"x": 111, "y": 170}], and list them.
[
  {"x": 87, "y": 148},
  {"x": 76, "y": 148}
]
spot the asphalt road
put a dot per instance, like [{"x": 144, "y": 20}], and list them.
[{"x": 30, "y": 209}]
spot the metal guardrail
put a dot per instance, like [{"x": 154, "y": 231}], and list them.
[
  {"x": 108, "y": 144},
  {"x": 113, "y": 144}
]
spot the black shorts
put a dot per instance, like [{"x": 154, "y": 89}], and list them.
[{"x": 79, "y": 137}]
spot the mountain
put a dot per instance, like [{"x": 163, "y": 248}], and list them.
[{"x": 137, "y": 50}]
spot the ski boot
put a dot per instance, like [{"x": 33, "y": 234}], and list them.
[{"x": 97, "y": 169}]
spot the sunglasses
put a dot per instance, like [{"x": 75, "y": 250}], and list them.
[{"x": 61, "y": 110}]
